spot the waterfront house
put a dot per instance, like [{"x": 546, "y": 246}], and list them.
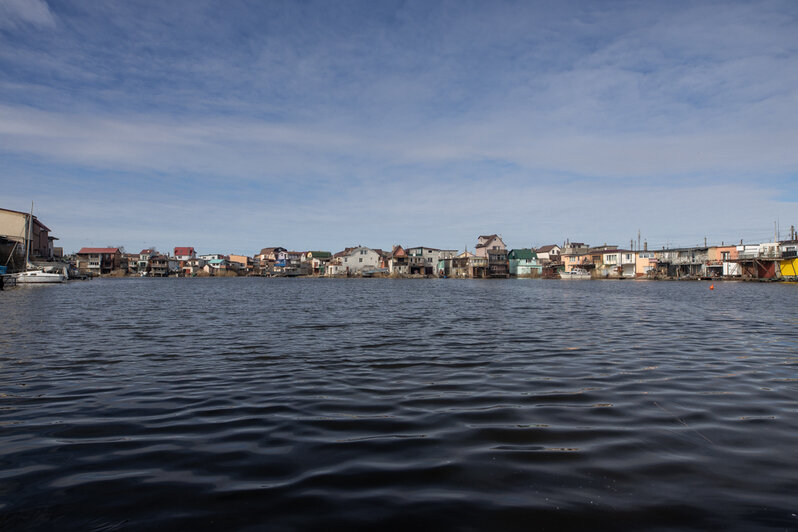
[
  {"x": 759, "y": 261},
  {"x": 271, "y": 255},
  {"x": 617, "y": 263},
  {"x": 398, "y": 261},
  {"x": 720, "y": 261},
  {"x": 220, "y": 267},
  {"x": 185, "y": 253},
  {"x": 98, "y": 261},
  {"x": 428, "y": 258},
  {"x": 486, "y": 242},
  {"x": 497, "y": 263},
  {"x": 130, "y": 263},
  {"x": 683, "y": 262},
  {"x": 550, "y": 253},
  {"x": 524, "y": 263},
  {"x": 575, "y": 256},
  {"x": 581, "y": 261},
  {"x": 193, "y": 267},
  {"x": 468, "y": 265},
  {"x": 645, "y": 263},
  {"x": 159, "y": 265},
  {"x": 317, "y": 261},
  {"x": 24, "y": 231},
  {"x": 356, "y": 259},
  {"x": 242, "y": 263},
  {"x": 143, "y": 264},
  {"x": 269, "y": 258},
  {"x": 334, "y": 268}
]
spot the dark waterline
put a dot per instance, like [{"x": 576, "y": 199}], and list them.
[{"x": 286, "y": 404}]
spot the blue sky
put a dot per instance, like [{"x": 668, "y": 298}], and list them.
[{"x": 237, "y": 125}]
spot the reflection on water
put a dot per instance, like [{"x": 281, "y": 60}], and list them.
[{"x": 296, "y": 404}]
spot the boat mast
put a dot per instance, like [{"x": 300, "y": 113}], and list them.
[{"x": 30, "y": 236}]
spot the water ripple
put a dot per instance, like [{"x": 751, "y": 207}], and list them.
[{"x": 458, "y": 405}]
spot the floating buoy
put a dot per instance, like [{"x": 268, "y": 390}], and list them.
[{"x": 712, "y": 287}]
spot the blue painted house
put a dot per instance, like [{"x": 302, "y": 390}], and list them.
[{"x": 524, "y": 263}]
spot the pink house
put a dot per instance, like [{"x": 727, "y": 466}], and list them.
[{"x": 487, "y": 243}]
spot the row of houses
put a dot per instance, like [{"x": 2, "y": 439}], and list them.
[
  {"x": 768, "y": 260},
  {"x": 151, "y": 263},
  {"x": 490, "y": 258},
  {"x": 22, "y": 232}
]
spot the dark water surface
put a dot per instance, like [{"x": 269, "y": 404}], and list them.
[{"x": 278, "y": 404}]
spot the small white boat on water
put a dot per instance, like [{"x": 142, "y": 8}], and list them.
[
  {"x": 40, "y": 276},
  {"x": 576, "y": 274},
  {"x": 34, "y": 275}
]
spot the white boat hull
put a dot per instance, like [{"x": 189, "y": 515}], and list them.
[
  {"x": 39, "y": 278},
  {"x": 575, "y": 275}
]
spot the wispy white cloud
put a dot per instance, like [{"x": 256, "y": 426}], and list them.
[
  {"x": 338, "y": 114},
  {"x": 15, "y": 13}
]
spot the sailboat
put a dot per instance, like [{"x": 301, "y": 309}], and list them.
[{"x": 32, "y": 273}]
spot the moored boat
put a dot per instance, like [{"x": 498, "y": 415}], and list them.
[
  {"x": 575, "y": 274},
  {"x": 34, "y": 275},
  {"x": 39, "y": 276}
]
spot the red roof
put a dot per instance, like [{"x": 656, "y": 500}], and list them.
[
  {"x": 95, "y": 251},
  {"x": 184, "y": 251}
]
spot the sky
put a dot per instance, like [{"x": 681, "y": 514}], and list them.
[{"x": 237, "y": 125}]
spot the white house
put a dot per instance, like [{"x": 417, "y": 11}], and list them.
[
  {"x": 357, "y": 259},
  {"x": 618, "y": 263},
  {"x": 549, "y": 253},
  {"x": 185, "y": 253}
]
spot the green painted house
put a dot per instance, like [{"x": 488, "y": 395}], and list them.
[{"x": 524, "y": 263}]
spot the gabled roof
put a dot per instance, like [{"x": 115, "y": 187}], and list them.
[
  {"x": 184, "y": 251},
  {"x": 266, "y": 251},
  {"x": 546, "y": 249},
  {"x": 35, "y": 219},
  {"x": 146, "y": 251},
  {"x": 488, "y": 240},
  {"x": 346, "y": 251},
  {"x": 524, "y": 253},
  {"x": 96, "y": 251}
]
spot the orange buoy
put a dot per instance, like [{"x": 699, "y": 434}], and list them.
[{"x": 712, "y": 287}]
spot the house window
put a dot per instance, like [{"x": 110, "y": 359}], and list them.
[{"x": 360, "y": 260}]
